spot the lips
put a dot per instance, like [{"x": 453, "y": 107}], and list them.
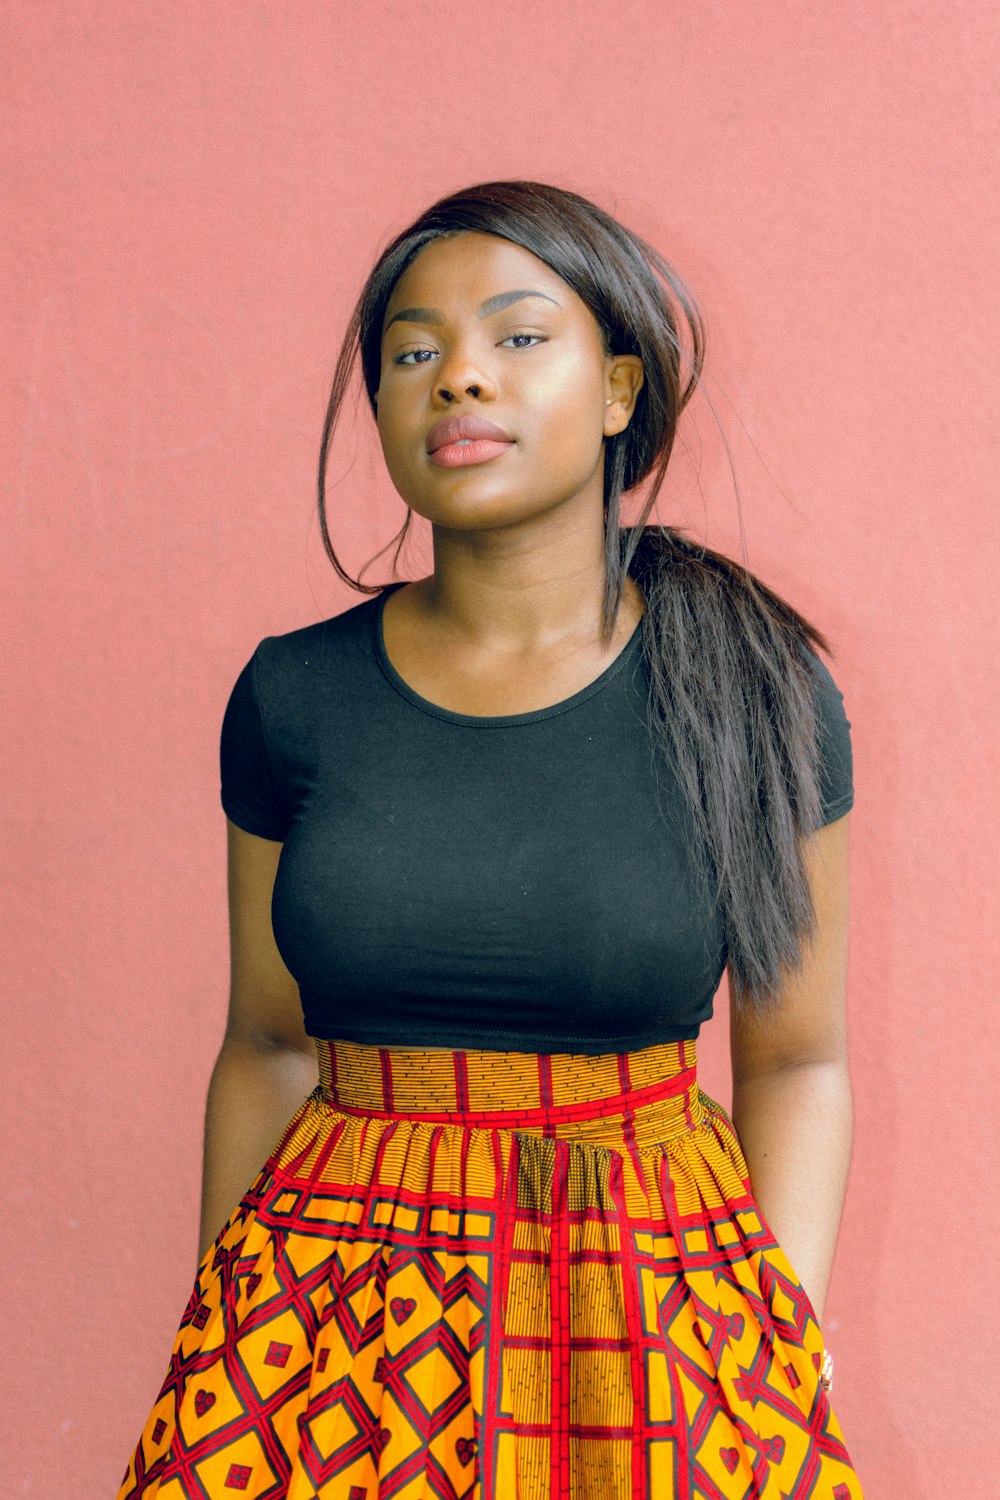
[{"x": 453, "y": 429}]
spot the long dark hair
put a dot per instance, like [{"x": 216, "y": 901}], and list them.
[{"x": 731, "y": 695}]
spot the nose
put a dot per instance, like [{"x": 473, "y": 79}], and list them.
[
  {"x": 446, "y": 393},
  {"x": 460, "y": 372}
]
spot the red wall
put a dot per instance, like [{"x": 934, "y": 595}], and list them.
[{"x": 200, "y": 190}]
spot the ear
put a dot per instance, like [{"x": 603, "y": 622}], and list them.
[{"x": 624, "y": 378}]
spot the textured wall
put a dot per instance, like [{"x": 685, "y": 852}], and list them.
[{"x": 199, "y": 192}]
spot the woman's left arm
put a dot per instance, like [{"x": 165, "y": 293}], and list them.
[{"x": 792, "y": 1103}]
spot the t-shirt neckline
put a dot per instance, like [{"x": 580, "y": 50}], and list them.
[{"x": 491, "y": 721}]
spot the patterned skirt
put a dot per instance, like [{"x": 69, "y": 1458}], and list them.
[{"x": 503, "y": 1276}]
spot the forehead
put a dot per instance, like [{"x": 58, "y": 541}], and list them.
[{"x": 466, "y": 268}]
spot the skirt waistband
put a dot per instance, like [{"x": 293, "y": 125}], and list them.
[{"x": 614, "y": 1098}]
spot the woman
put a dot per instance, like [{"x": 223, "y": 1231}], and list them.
[{"x": 494, "y": 836}]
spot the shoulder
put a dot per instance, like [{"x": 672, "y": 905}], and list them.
[
  {"x": 289, "y": 661},
  {"x": 833, "y": 738},
  {"x": 304, "y": 642},
  {"x": 822, "y": 676},
  {"x": 831, "y": 708},
  {"x": 281, "y": 708}
]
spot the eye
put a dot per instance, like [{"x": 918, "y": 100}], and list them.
[
  {"x": 399, "y": 358},
  {"x": 525, "y": 335},
  {"x": 405, "y": 355}
]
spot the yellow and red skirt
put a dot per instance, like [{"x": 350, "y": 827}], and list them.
[{"x": 502, "y": 1276}]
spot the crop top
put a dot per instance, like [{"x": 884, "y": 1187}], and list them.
[{"x": 515, "y": 882}]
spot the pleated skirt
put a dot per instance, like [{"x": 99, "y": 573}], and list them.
[{"x": 503, "y": 1276}]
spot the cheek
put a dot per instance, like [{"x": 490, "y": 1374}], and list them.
[
  {"x": 389, "y": 424},
  {"x": 564, "y": 404},
  {"x": 569, "y": 388}
]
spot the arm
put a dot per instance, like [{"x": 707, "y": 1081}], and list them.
[
  {"x": 792, "y": 1101},
  {"x": 267, "y": 1063}
]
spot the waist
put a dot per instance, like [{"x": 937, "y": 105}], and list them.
[{"x": 639, "y": 1097}]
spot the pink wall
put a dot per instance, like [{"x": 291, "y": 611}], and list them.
[{"x": 200, "y": 190}]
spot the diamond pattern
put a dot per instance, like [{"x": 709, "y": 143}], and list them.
[{"x": 572, "y": 1295}]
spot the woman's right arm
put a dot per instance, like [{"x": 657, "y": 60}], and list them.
[{"x": 267, "y": 1063}]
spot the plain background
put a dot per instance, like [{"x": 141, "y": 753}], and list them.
[{"x": 199, "y": 192}]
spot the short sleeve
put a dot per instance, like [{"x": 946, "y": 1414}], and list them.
[
  {"x": 251, "y": 797},
  {"x": 836, "y": 759}
]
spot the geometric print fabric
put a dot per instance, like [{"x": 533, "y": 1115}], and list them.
[{"x": 482, "y": 1275}]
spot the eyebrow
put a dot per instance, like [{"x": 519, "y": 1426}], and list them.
[{"x": 491, "y": 305}]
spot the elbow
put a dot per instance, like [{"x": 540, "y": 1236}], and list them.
[{"x": 818, "y": 1088}]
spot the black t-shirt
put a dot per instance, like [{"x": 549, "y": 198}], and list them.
[{"x": 516, "y": 882}]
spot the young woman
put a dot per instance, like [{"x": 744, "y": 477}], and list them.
[{"x": 494, "y": 836}]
